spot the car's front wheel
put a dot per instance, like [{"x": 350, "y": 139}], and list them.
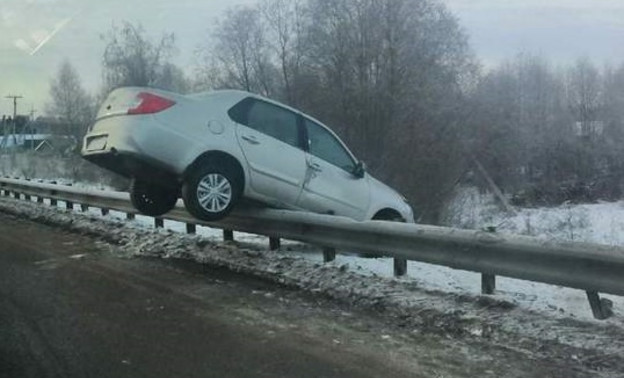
[
  {"x": 152, "y": 199},
  {"x": 211, "y": 191}
]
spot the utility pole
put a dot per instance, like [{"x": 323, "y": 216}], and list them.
[
  {"x": 14, "y": 115},
  {"x": 4, "y": 133},
  {"x": 32, "y": 128}
]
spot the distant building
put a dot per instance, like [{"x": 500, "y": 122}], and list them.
[{"x": 37, "y": 142}]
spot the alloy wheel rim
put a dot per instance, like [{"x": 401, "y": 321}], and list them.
[{"x": 214, "y": 192}]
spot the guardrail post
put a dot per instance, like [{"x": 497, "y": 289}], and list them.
[
  {"x": 27, "y": 197},
  {"x": 130, "y": 216},
  {"x": 69, "y": 205},
  {"x": 104, "y": 211},
  {"x": 159, "y": 223},
  {"x": 400, "y": 267},
  {"x": 274, "y": 244},
  {"x": 329, "y": 254},
  {"x": 191, "y": 228},
  {"x": 16, "y": 195},
  {"x": 39, "y": 199},
  {"x": 53, "y": 202},
  {"x": 602, "y": 308},
  {"x": 488, "y": 283},
  {"x": 228, "y": 235},
  {"x": 84, "y": 208}
]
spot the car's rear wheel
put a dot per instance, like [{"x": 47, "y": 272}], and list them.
[
  {"x": 152, "y": 199},
  {"x": 211, "y": 191},
  {"x": 389, "y": 216}
]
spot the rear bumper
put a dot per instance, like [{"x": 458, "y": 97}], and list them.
[
  {"x": 129, "y": 164},
  {"x": 120, "y": 146}
]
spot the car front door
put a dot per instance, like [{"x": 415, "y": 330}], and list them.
[
  {"x": 269, "y": 137},
  {"x": 330, "y": 185}
]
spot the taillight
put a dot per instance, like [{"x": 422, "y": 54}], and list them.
[{"x": 150, "y": 103}]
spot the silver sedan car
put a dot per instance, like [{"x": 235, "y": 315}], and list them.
[{"x": 217, "y": 148}]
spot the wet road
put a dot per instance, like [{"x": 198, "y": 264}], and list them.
[
  {"x": 71, "y": 307},
  {"x": 68, "y": 309}
]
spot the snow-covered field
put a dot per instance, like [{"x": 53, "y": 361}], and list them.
[{"x": 601, "y": 223}]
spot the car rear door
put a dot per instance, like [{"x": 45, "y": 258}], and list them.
[
  {"x": 270, "y": 138},
  {"x": 330, "y": 185}
]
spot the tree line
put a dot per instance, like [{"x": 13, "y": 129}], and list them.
[{"x": 398, "y": 81}]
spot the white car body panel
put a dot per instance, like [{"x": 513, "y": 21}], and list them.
[
  {"x": 328, "y": 188},
  {"x": 278, "y": 175}
]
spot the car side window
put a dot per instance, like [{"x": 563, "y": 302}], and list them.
[
  {"x": 273, "y": 121},
  {"x": 322, "y": 144}
]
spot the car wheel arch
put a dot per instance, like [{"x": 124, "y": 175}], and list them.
[
  {"x": 388, "y": 214},
  {"x": 217, "y": 156}
]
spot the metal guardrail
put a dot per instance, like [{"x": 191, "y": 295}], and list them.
[{"x": 590, "y": 267}]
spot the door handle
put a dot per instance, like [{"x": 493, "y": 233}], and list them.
[
  {"x": 315, "y": 167},
  {"x": 250, "y": 139}
]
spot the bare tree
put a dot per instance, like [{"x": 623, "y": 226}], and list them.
[
  {"x": 285, "y": 24},
  {"x": 585, "y": 96},
  {"x": 131, "y": 59},
  {"x": 393, "y": 74},
  {"x": 173, "y": 78},
  {"x": 70, "y": 102},
  {"x": 241, "y": 55}
]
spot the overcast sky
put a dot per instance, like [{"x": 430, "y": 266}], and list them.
[{"x": 36, "y": 35}]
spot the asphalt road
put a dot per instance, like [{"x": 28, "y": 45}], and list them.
[{"x": 71, "y": 307}]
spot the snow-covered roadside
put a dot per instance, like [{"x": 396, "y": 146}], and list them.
[
  {"x": 548, "y": 299},
  {"x": 598, "y": 223},
  {"x": 405, "y": 300}
]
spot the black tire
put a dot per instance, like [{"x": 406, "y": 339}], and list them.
[
  {"x": 387, "y": 216},
  {"x": 152, "y": 199},
  {"x": 212, "y": 206}
]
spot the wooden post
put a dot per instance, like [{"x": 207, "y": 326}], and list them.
[
  {"x": 39, "y": 199},
  {"x": 53, "y": 202},
  {"x": 104, "y": 211},
  {"x": 159, "y": 223},
  {"x": 329, "y": 254},
  {"x": 84, "y": 208},
  {"x": 130, "y": 216},
  {"x": 191, "y": 228},
  {"x": 400, "y": 267},
  {"x": 69, "y": 205},
  {"x": 27, "y": 197},
  {"x": 274, "y": 244},
  {"x": 602, "y": 308},
  {"x": 228, "y": 235}
]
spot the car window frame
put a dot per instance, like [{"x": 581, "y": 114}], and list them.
[
  {"x": 239, "y": 113},
  {"x": 354, "y": 160}
]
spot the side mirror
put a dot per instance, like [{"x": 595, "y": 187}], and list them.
[{"x": 359, "y": 170}]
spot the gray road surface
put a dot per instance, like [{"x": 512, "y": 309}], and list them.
[{"x": 70, "y": 308}]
